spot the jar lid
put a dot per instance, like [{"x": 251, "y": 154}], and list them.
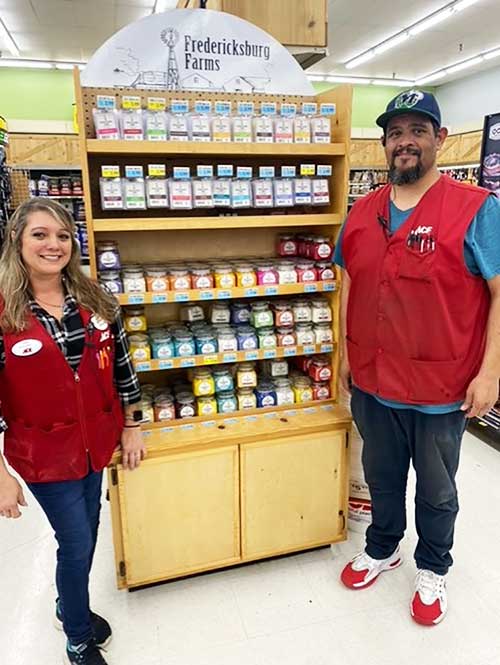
[
  {"x": 303, "y": 326},
  {"x": 156, "y": 271},
  {"x": 226, "y": 394},
  {"x": 183, "y": 335},
  {"x": 201, "y": 271},
  {"x": 323, "y": 324},
  {"x": 202, "y": 371},
  {"x": 163, "y": 400},
  {"x": 245, "y": 391},
  {"x": 285, "y": 330},
  {"x": 245, "y": 330},
  {"x": 226, "y": 332},
  {"x": 260, "y": 306},
  {"x": 320, "y": 360},
  {"x": 320, "y": 302},
  {"x": 136, "y": 272},
  {"x": 220, "y": 305},
  {"x": 146, "y": 401},
  {"x": 300, "y": 303},
  {"x": 134, "y": 311},
  {"x": 324, "y": 264},
  {"x": 106, "y": 244},
  {"x": 206, "y": 399},
  {"x": 305, "y": 263},
  {"x": 321, "y": 239},
  {"x": 286, "y": 236},
  {"x": 223, "y": 268},
  {"x": 283, "y": 382},
  {"x": 265, "y": 386},
  {"x": 281, "y": 305},
  {"x": 178, "y": 271},
  {"x": 266, "y": 331},
  {"x": 185, "y": 398},
  {"x": 138, "y": 339},
  {"x": 245, "y": 367},
  {"x": 286, "y": 263},
  {"x": 109, "y": 275},
  {"x": 302, "y": 381},
  {"x": 244, "y": 267},
  {"x": 240, "y": 305}
]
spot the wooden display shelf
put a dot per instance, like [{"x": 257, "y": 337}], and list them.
[
  {"x": 249, "y": 423},
  {"x": 163, "y": 297},
  {"x": 312, "y": 150},
  {"x": 205, "y": 223},
  {"x": 232, "y": 357}
]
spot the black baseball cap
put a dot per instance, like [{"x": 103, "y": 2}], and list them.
[{"x": 411, "y": 101}]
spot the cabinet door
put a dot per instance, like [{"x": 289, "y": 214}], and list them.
[
  {"x": 180, "y": 514},
  {"x": 293, "y": 490}
]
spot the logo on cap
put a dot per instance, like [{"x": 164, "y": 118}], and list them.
[{"x": 407, "y": 100}]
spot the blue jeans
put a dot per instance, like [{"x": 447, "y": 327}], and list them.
[
  {"x": 72, "y": 508},
  {"x": 391, "y": 439}
]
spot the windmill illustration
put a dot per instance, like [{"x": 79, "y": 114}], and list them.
[{"x": 170, "y": 37}]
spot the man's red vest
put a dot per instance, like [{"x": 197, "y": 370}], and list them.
[
  {"x": 416, "y": 318},
  {"x": 57, "y": 418}
]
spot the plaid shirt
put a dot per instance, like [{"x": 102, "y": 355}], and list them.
[{"x": 69, "y": 335}]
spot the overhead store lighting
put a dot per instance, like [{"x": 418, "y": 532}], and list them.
[
  {"x": 348, "y": 79},
  {"x": 459, "y": 66},
  {"x": 394, "y": 82},
  {"x": 11, "y": 44},
  {"x": 39, "y": 64},
  {"x": 411, "y": 31}
]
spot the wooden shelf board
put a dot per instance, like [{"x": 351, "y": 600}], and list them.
[
  {"x": 232, "y": 357},
  {"x": 229, "y": 222},
  {"x": 163, "y": 297},
  {"x": 98, "y": 146}
]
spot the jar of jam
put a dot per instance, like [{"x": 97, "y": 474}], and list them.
[
  {"x": 227, "y": 402},
  {"x": 162, "y": 345},
  {"x": 203, "y": 382},
  {"x": 287, "y": 273},
  {"x": 247, "y": 338},
  {"x": 283, "y": 314},
  {"x": 320, "y": 369},
  {"x": 223, "y": 379},
  {"x": 148, "y": 414},
  {"x": 156, "y": 278},
  {"x": 261, "y": 315},
  {"x": 306, "y": 271},
  {"x": 179, "y": 278},
  {"x": 305, "y": 333},
  {"x": 133, "y": 279},
  {"x": 321, "y": 311},
  {"x": 267, "y": 274},
  {"x": 303, "y": 363},
  {"x": 245, "y": 275},
  {"x": 267, "y": 338},
  {"x": 224, "y": 276},
  {"x": 135, "y": 319},
  {"x": 164, "y": 408},
  {"x": 321, "y": 248},
  {"x": 325, "y": 269},
  {"x": 323, "y": 333},
  {"x": 277, "y": 367},
  {"x": 202, "y": 277},
  {"x": 287, "y": 337},
  {"x": 108, "y": 256},
  {"x": 185, "y": 405},
  {"x": 206, "y": 406},
  {"x": 246, "y": 399},
  {"x": 206, "y": 342},
  {"x": 287, "y": 245},
  {"x": 240, "y": 312},
  {"x": 184, "y": 344},
  {"x": 265, "y": 394},
  {"x": 284, "y": 392},
  {"x": 220, "y": 313},
  {"x": 111, "y": 280},
  {"x": 321, "y": 390},
  {"x": 140, "y": 350},
  {"x": 226, "y": 340},
  {"x": 302, "y": 311},
  {"x": 302, "y": 389},
  {"x": 246, "y": 376}
]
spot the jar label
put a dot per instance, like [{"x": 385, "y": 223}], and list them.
[
  {"x": 268, "y": 400},
  {"x": 208, "y": 347},
  {"x": 246, "y": 380},
  {"x": 140, "y": 354},
  {"x": 224, "y": 383},
  {"x": 227, "y": 406},
  {"x": 108, "y": 259},
  {"x": 305, "y": 338},
  {"x": 204, "y": 387},
  {"x": 228, "y": 345},
  {"x": 226, "y": 281},
  {"x": 202, "y": 282},
  {"x": 185, "y": 349},
  {"x": 267, "y": 342},
  {"x": 165, "y": 414},
  {"x": 207, "y": 409},
  {"x": 186, "y": 412},
  {"x": 324, "y": 250},
  {"x": 287, "y": 340},
  {"x": 135, "y": 323},
  {"x": 164, "y": 351},
  {"x": 247, "y": 403},
  {"x": 285, "y": 318},
  {"x": 288, "y": 276},
  {"x": 322, "y": 393},
  {"x": 159, "y": 284},
  {"x": 134, "y": 285},
  {"x": 327, "y": 273},
  {"x": 249, "y": 343},
  {"x": 324, "y": 373},
  {"x": 247, "y": 279},
  {"x": 181, "y": 283},
  {"x": 308, "y": 276}
]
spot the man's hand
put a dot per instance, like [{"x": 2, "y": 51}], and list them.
[
  {"x": 481, "y": 396},
  {"x": 11, "y": 496},
  {"x": 133, "y": 448},
  {"x": 345, "y": 374}
]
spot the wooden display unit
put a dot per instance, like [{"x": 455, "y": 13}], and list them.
[{"x": 221, "y": 490}]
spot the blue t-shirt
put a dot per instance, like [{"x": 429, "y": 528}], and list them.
[{"x": 482, "y": 257}]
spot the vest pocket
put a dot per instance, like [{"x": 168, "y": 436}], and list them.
[
  {"x": 416, "y": 265},
  {"x": 362, "y": 363},
  {"x": 438, "y": 381}
]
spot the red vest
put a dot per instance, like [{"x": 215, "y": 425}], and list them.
[
  {"x": 416, "y": 318},
  {"x": 57, "y": 419}
]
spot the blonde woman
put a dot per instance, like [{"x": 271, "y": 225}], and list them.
[{"x": 69, "y": 396}]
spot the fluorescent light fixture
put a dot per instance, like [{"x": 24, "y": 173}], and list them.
[
  {"x": 411, "y": 31},
  {"x": 391, "y": 43},
  {"x": 11, "y": 44},
  {"x": 464, "y": 65},
  {"x": 348, "y": 79},
  {"x": 431, "y": 78},
  {"x": 39, "y": 64},
  {"x": 430, "y": 22},
  {"x": 360, "y": 60},
  {"x": 398, "y": 83},
  {"x": 492, "y": 54},
  {"x": 316, "y": 77}
]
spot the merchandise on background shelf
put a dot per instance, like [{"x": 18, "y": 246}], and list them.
[
  {"x": 131, "y": 119},
  {"x": 302, "y": 129},
  {"x": 156, "y": 119},
  {"x": 110, "y": 186},
  {"x": 243, "y": 123},
  {"x": 241, "y": 190},
  {"x": 134, "y": 190},
  {"x": 200, "y": 122},
  {"x": 134, "y": 280},
  {"x": 203, "y": 195},
  {"x": 178, "y": 121},
  {"x": 263, "y": 124},
  {"x": 180, "y": 189},
  {"x": 83, "y": 239},
  {"x": 263, "y": 189},
  {"x": 284, "y": 124},
  {"x": 222, "y": 186},
  {"x": 157, "y": 186},
  {"x": 108, "y": 255},
  {"x": 106, "y": 118},
  {"x": 221, "y": 122}
]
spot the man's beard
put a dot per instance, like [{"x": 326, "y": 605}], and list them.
[{"x": 405, "y": 176}]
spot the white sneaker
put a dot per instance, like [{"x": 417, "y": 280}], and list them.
[
  {"x": 362, "y": 571},
  {"x": 429, "y": 603}
]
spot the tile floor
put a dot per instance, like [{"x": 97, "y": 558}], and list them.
[{"x": 289, "y": 611}]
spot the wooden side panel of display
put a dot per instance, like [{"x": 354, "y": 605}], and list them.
[
  {"x": 291, "y": 22},
  {"x": 367, "y": 153},
  {"x": 51, "y": 150},
  {"x": 117, "y": 526}
]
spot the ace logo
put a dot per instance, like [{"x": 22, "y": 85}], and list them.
[{"x": 423, "y": 230}]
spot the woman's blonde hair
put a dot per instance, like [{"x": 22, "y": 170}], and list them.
[{"x": 15, "y": 287}]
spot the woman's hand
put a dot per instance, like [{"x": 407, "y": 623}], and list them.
[
  {"x": 133, "y": 448},
  {"x": 11, "y": 496}
]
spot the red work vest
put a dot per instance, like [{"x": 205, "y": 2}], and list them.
[
  {"x": 57, "y": 418},
  {"x": 416, "y": 318}
]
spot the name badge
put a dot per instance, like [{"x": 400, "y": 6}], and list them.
[{"x": 27, "y": 347}]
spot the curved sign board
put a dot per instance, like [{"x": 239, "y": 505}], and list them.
[{"x": 196, "y": 49}]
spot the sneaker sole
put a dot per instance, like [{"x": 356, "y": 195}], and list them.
[
  {"x": 423, "y": 622},
  {"x": 362, "y": 586},
  {"x": 58, "y": 625}
]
